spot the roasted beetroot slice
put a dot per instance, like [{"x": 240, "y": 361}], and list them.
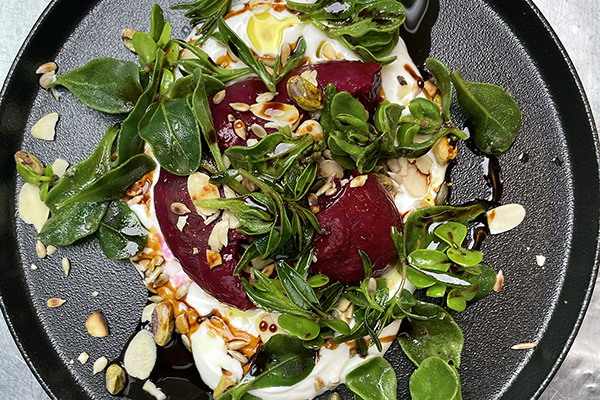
[
  {"x": 358, "y": 218},
  {"x": 219, "y": 281},
  {"x": 362, "y": 80}
]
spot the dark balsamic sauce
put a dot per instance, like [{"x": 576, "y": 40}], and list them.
[
  {"x": 174, "y": 373},
  {"x": 416, "y": 30}
]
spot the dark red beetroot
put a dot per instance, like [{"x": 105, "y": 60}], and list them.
[
  {"x": 355, "y": 219},
  {"x": 220, "y": 281},
  {"x": 362, "y": 80}
]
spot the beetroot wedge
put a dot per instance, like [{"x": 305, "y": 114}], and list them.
[
  {"x": 357, "y": 218},
  {"x": 190, "y": 244},
  {"x": 361, "y": 80}
]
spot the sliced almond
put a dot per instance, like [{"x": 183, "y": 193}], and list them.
[
  {"x": 424, "y": 164},
  {"x": 100, "y": 364},
  {"x": 40, "y": 249},
  {"x": 181, "y": 221},
  {"x": 153, "y": 390},
  {"x": 505, "y": 218},
  {"x": 319, "y": 383},
  {"x": 55, "y": 302},
  {"x": 276, "y": 112},
  {"x": 83, "y": 357},
  {"x": 66, "y": 265},
  {"x": 45, "y": 128},
  {"x": 415, "y": 182},
  {"x": 240, "y": 107},
  {"x": 327, "y": 51},
  {"x": 237, "y": 344},
  {"x": 200, "y": 188},
  {"x": 499, "y": 281},
  {"x": 214, "y": 259},
  {"x": 140, "y": 357},
  {"x": 540, "y": 260},
  {"x": 127, "y": 37},
  {"x": 265, "y": 97},
  {"x": 97, "y": 325},
  {"x": 236, "y": 355},
  {"x": 32, "y": 210},
  {"x": 329, "y": 168},
  {"x": 187, "y": 55},
  {"x": 182, "y": 325},
  {"x": 51, "y": 250},
  {"x": 359, "y": 181},
  {"x": 310, "y": 76},
  {"x": 59, "y": 167},
  {"x": 182, "y": 291},
  {"x": 259, "y": 7},
  {"x": 219, "y": 236},
  {"x": 258, "y": 130},
  {"x": 47, "y": 78}
]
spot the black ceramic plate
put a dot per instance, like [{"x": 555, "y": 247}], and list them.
[{"x": 552, "y": 170}]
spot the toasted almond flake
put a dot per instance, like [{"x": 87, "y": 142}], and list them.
[
  {"x": 219, "y": 97},
  {"x": 265, "y": 97},
  {"x": 251, "y": 142},
  {"x": 236, "y": 355},
  {"x": 213, "y": 258},
  {"x": 44, "y": 128},
  {"x": 33, "y": 267},
  {"x": 181, "y": 221},
  {"x": 187, "y": 55},
  {"x": 268, "y": 271},
  {"x": 179, "y": 209},
  {"x": 135, "y": 200},
  {"x": 95, "y": 293},
  {"x": 55, "y": 302},
  {"x": 46, "y": 67},
  {"x": 415, "y": 182},
  {"x": 310, "y": 127},
  {"x": 258, "y": 130},
  {"x": 31, "y": 209},
  {"x": 276, "y": 112},
  {"x": 47, "y": 78},
  {"x": 241, "y": 107},
  {"x": 328, "y": 185},
  {"x": 424, "y": 164},
  {"x": 40, "y": 249},
  {"x": 240, "y": 128},
  {"x": 100, "y": 364},
  {"x": 200, "y": 188},
  {"x": 277, "y": 125},
  {"x": 182, "y": 325},
  {"x": 153, "y": 390},
  {"x": 505, "y": 218},
  {"x": 330, "y": 168},
  {"x": 331, "y": 191},
  {"x": 66, "y": 265},
  {"x": 237, "y": 344},
  {"x": 231, "y": 55},
  {"x": 540, "y": 260},
  {"x": 212, "y": 218},
  {"x": 195, "y": 250},
  {"x": 327, "y": 51},
  {"x": 230, "y": 117},
  {"x": 319, "y": 383},
  {"x": 310, "y": 76},
  {"x": 140, "y": 357},
  {"x": 127, "y": 38},
  {"x": 499, "y": 281},
  {"x": 155, "y": 299},
  {"x": 51, "y": 250},
  {"x": 286, "y": 51},
  {"x": 97, "y": 325},
  {"x": 359, "y": 181},
  {"x": 259, "y": 6},
  {"x": 161, "y": 280},
  {"x": 83, "y": 357},
  {"x": 182, "y": 291},
  {"x": 523, "y": 346},
  {"x": 218, "y": 236},
  {"x": 186, "y": 342},
  {"x": 59, "y": 167}
]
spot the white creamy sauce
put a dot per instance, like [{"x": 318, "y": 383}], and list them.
[{"x": 208, "y": 348}]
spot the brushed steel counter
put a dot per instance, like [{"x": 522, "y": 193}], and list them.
[{"x": 577, "y": 24}]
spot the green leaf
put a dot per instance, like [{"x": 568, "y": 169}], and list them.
[
  {"x": 451, "y": 232},
  {"x": 204, "y": 118},
  {"x": 145, "y": 46},
  {"x": 487, "y": 281},
  {"x": 72, "y": 222},
  {"x": 292, "y": 60},
  {"x": 386, "y": 119},
  {"x": 129, "y": 142},
  {"x": 84, "y": 173},
  {"x": 157, "y": 22},
  {"x": 281, "y": 361},
  {"x": 208, "y": 67},
  {"x": 437, "y": 290},
  {"x": 434, "y": 380},
  {"x": 337, "y": 325},
  {"x": 28, "y": 174},
  {"x": 297, "y": 289},
  {"x": 465, "y": 257},
  {"x": 114, "y": 183},
  {"x": 104, "y": 84},
  {"x": 165, "y": 36},
  {"x": 374, "y": 379},
  {"x": 243, "y": 52},
  {"x": 303, "y": 328},
  {"x": 437, "y": 336},
  {"x": 439, "y": 277},
  {"x": 269, "y": 301},
  {"x": 441, "y": 74},
  {"x": 318, "y": 280},
  {"x": 121, "y": 234},
  {"x": 171, "y": 130},
  {"x": 496, "y": 116},
  {"x": 432, "y": 260}
]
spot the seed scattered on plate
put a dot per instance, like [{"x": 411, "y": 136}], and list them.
[
  {"x": 540, "y": 260},
  {"x": 55, "y": 302},
  {"x": 140, "y": 357},
  {"x": 97, "y": 325},
  {"x": 51, "y": 250},
  {"x": 182, "y": 291},
  {"x": 33, "y": 267},
  {"x": 523, "y": 346},
  {"x": 241, "y": 107},
  {"x": 83, "y": 357},
  {"x": 153, "y": 390},
  {"x": 505, "y": 218},
  {"x": 219, "y": 97},
  {"x": 100, "y": 364},
  {"x": 66, "y": 265},
  {"x": 45, "y": 128},
  {"x": 95, "y": 293},
  {"x": 499, "y": 281},
  {"x": 359, "y": 181},
  {"x": 46, "y": 67},
  {"x": 40, "y": 249}
]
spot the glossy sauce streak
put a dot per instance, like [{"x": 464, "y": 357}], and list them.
[{"x": 416, "y": 30}]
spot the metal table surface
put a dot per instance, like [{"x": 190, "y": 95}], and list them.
[{"x": 577, "y": 24}]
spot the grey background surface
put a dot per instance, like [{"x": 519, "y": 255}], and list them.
[{"x": 577, "y": 24}]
